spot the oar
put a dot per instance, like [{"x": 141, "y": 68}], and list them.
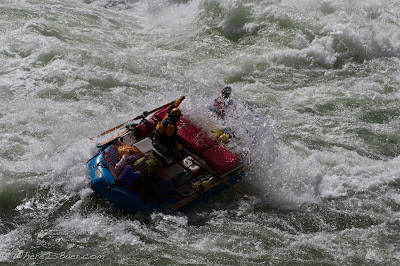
[
  {"x": 213, "y": 173},
  {"x": 108, "y": 141},
  {"x": 130, "y": 120},
  {"x": 176, "y": 206}
]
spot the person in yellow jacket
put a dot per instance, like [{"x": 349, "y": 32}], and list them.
[{"x": 166, "y": 132}]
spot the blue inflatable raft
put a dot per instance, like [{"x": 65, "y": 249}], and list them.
[{"x": 132, "y": 175}]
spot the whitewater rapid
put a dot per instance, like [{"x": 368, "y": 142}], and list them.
[{"x": 317, "y": 87}]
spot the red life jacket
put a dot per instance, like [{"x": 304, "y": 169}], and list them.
[{"x": 220, "y": 105}]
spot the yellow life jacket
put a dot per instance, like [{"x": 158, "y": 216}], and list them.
[{"x": 165, "y": 129}]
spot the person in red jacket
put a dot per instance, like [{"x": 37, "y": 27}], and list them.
[{"x": 221, "y": 103}]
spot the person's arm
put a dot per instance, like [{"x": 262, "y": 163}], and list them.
[{"x": 178, "y": 102}]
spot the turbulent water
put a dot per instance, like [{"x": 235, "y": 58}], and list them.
[{"x": 322, "y": 76}]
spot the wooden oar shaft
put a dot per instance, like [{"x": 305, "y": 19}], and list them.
[
  {"x": 112, "y": 139},
  {"x": 130, "y": 120},
  {"x": 184, "y": 202}
]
